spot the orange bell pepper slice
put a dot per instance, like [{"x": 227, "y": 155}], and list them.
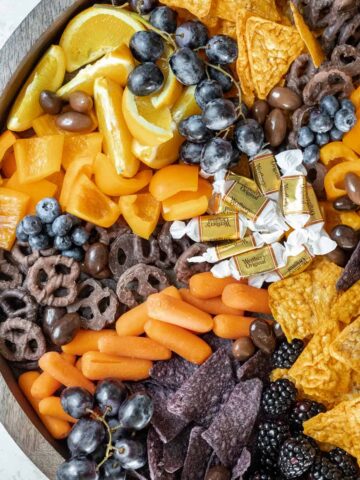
[
  {"x": 81, "y": 165},
  {"x": 352, "y": 138},
  {"x": 88, "y": 145},
  {"x": 13, "y": 206},
  {"x": 141, "y": 212},
  {"x": 355, "y": 97},
  {"x": 8, "y": 164},
  {"x": 334, "y": 179},
  {"x": 113, "y": 184},
  {"x": 170, "y": 180},
  {"x": 336, "y": 152},
  {"x": 90, "y": 204},
  {"x": 7, "y": 140}
]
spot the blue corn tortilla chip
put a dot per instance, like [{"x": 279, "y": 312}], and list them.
[
  {"x": 242, "y": 465},
  {"x": 230, "y": 430},
  {"x": 213, "y": 462},
  {"x": 175, "y": 451},
  {"x": 258, "y": 366},
  {"x": 216, "y": 342},
  {"x": 199, "y": 399},
  {"x": 197, "y": 456},
  {"x": 172, "y": 373},
  {"x": 155, "y": 457}
]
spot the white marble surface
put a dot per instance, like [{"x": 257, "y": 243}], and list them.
[{"x": 14, "y": 465}]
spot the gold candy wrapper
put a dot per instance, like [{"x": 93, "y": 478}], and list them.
[
  {"x": 210, "y": 228},
  {"x": 266, "y": 173},
  {"x": 314, "y": 207},
  {"x": 227, "y": 250}
]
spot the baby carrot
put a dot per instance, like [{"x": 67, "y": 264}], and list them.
[
  {"x": 46, "y": 385},
  {"x": 68, "y": 375},
  {"x": 134, "y": 347},
  {"x": 52, "y": 407},
  {"x": 86, "y": 341},
  {"x": 232, "y": 326},
  {"x": 132, "y": 322},
  {"x": 58, "y": 429},
  {"x": 205, "y": 285},
  {"x": 214, "y": 306},
  {"x": 177, "y": 312},
  {"x": 247, "y": 298},
  {"x": 179, "y": 340},
  {"x": 98, "y": 365}
]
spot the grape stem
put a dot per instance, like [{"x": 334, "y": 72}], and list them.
[
  {"x": 219, "y": 69},
  {"x": 164, "y": 35},
  {"x": 109, "y": 447}
]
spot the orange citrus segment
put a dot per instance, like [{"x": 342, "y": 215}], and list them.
[{"x": 171, "y": 89}]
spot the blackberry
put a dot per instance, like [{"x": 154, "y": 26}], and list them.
[
  {"x": 286, "y": 353},
  {"x": 323, "y": 469},
  {"x": 296, "y": 457},
  {"x": 278, "y": 397},
  {"x": 260, "y": 475},
  {"x": 345, "y": 462},
  {"x": 302, "y": 411},
  {"x": 271, "y": 435}
]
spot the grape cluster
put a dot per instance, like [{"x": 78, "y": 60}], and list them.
[
  {"x": 106, "y": 441},
  {"x": 50, "y": 228}
]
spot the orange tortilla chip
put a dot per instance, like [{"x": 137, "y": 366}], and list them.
[
  {"x": 272, "y": 48},
  {"x": 339, "y": 426},
  {"x": 227, "y": 28},
  {"x": 199, "y": 8},
  {"x": 313, "y": 46},
  {"x": 347, "y": 305},
  {"x": 346, "y": 347},
  {"x": 279, "y": 373}
]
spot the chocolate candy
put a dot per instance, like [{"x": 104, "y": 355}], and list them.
[
  {"x": 345, "y": 236},
  {"x": 218, "y": 473},
  {"x": 80, "y": 102},
  {"x": 243, "y": 348},
  {"x": 275, "y": 127},
  {"x": 282, "y": 97},
  {"x": 50, "y": 317},
  {"x": 65, "y": 329},
  {"x": 262, "y": 335},
  {"x": 50, "y": 102},
  {"x": 352, "y": 186},
  {"x": 278, "y": 331},
  {"x": 344, "y": 204},
  {"x": 74, "y": 122},
  {"x": 338, "y": 256},
  {"x": 260, "y": 110},
  {"x": 96, "y": 258}
]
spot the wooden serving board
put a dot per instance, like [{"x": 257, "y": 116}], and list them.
[{"x": 17, "y": 58}]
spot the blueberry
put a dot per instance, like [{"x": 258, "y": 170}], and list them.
[
  {"x": 39, "y": 242},
  {"x": 79, "y": 236},
  {"x": 62, "y": 225},
  {"x": 136, "y": 412},
  {"x": 76, "y": 253},
  {"x": 192, "y": 34},
  {"x": 77, "y": 468},
  {"x": 146, "y": 46},
  {"x": 31, "y": 225},
  {"x": 305, "y": 137},
  {"x": 311, "y": 155},
  {"x": 110, "y": 394},
  {"x": 221, "y": 49},
  {"x": 345, "y": 120},
  {"x": 249, "y": 137},
  {"x": 76, "y": 401},
  {"x": 330, "y": 105},
  {"x": 322, "y": 139},
  {"x": 20, "y": 234},
  {"x": 86, "y": 436},
  {"x": 348, "y": 105},
  {"x": 320, "y": 122},
  {"x": 164, "y": 18},
  {"x": 217, "y": 155},
  {"x": 130, "y": 453},
  {"x": 219, "y": 114},
  {"x": 145, "y": 79},
  {"x": 225, "y": 79},
  {"x": 187, "y": 67},
  {"x": 112, "y": 470},
  {"x": 143, "y": 7},
  {"x": 206, "y": 91},
  {"x": 194, "y": 129},
  {"x": 48, "y": 209},
  {"x": 62, "y": 243},
  {"x": 336, "y": 135},
  {"x": 49, "y": 230},
  {"x": 190, "y": 153}
]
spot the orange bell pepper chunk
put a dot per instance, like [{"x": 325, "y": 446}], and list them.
[
  {"x": 334, "y": 179},
  {"x": 81, "y": 165},
  {"x": 170, "y": 180},
  {"x": 355, "y": 97},
  {"x": 37, "y": 158},
  {"x": 88, "y": 145},
  {"x": 57, "y": 178},
  {"x": 352, "y": 138},
  {"x": 8, "y": 164},
  {"x": 336, "y": 152},
  {"x": 141, "y": 212},
  {"x": 90, "y": 204},
  {"x": 7, "y": 140},
  {"x": 111, "y": 183},
  {"x": 36, "y": 191},
  {"x": 13, "y": 206}
]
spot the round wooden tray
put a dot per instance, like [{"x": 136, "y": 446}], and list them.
[{"x": 18, "y": 56}]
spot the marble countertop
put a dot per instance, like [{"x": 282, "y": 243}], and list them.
[{"x": 14, "y": 465}]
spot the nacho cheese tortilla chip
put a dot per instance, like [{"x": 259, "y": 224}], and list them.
[
  {"x": 347, "y": 305},
  {"x": 271, "y": 48},
  {"x": 199, "y": 8},
  {"x": 346, "y": 347}
]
